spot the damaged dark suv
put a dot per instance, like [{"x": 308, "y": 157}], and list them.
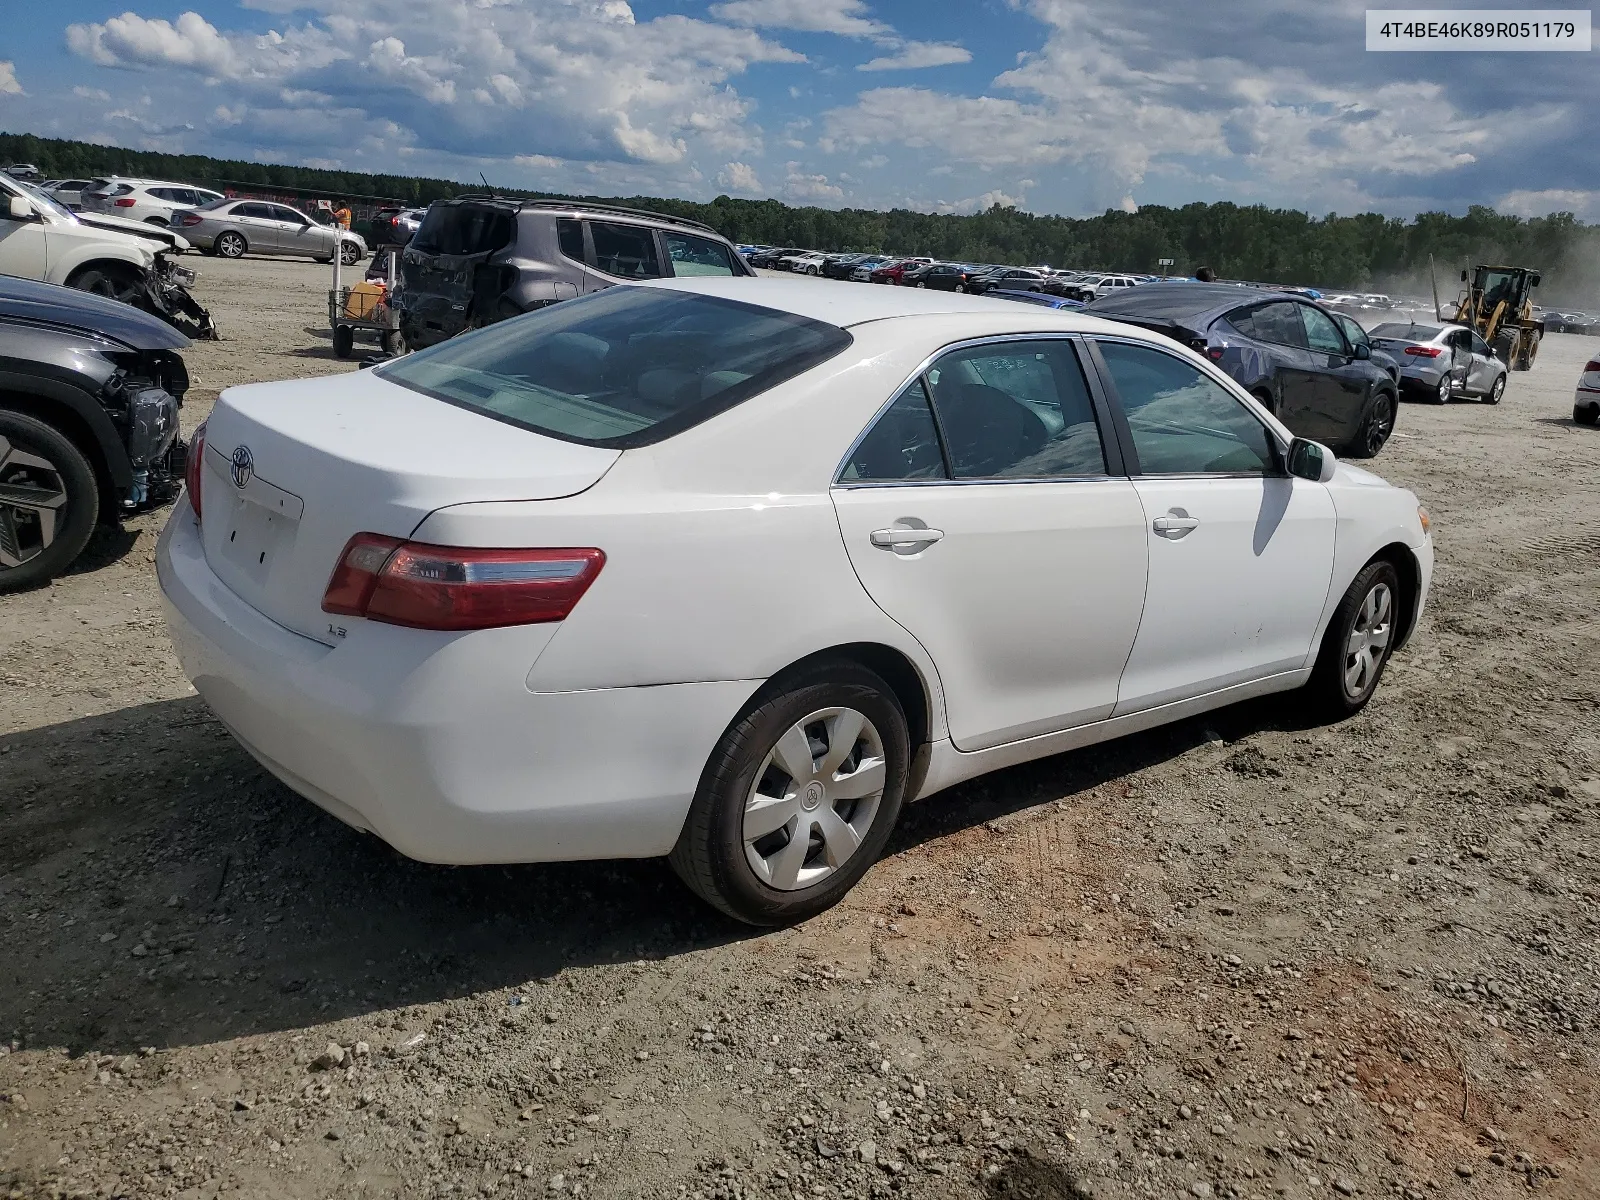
[
  {"x": 480, "y": 259},
  {"x": 89, "y": 395}
]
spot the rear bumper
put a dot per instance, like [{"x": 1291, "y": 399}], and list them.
[{"x": 434, "y": 742}]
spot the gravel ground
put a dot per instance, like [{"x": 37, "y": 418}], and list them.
[{"x": 1242, "y": 956}]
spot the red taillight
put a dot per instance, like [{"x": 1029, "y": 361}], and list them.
[
  {"x": 192, "y": 469},
  {"x": 124, "y": 202},
  {"x": 457, "y": 587},
  {"x": 1593, "y": 365},
  {"x": 189, "y": 218},
  {"x": 1214, "y": 353},
  {"x": 1424, "y": 351}
]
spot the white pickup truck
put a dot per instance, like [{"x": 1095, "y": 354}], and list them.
[{"x": 130, "y": 261}]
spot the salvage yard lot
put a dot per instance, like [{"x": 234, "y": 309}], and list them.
[{"x": 1244, "y": 955}]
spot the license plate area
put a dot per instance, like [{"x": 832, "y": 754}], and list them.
[{"x": 256, "y": 536}]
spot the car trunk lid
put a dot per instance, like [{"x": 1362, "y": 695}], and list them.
[{"x": 293, "y": 470}]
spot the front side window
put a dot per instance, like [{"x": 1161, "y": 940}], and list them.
[
  {"x": 1016, "y": 410},
  {"x": 692, "y": 255},
  {"x": 1322, "y": 335},
  {"x": 1184, "y": 422},
  {"x": 626, "y": 251},
  {"x": 624, "y": 367},
  {"x": 1356, "y": 335},
  {"x": 902, "y": 445}
]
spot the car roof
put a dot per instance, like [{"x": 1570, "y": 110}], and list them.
[
  {"x": 845, "y": 304},
  {"x": 1170, "y": 301}
]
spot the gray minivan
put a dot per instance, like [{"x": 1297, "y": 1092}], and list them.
[{"x": 480, "y": 259}]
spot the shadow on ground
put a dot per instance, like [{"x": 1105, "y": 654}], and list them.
[{"x": 158, "y": 888}]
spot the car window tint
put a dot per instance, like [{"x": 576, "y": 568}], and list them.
[
  {"x": 627, "y": 251},
  {"x": 902, "y": 444},
  {"x": 292, "y": 215},
  {"x": 1322, "y": 335},
  {"x": 1244, "y": 320},
  {"x": 1280, "y": 323},
  {"x": 1183, "y": 422},
  {"x": 1016, "y": 410},
  {"x": 570, "y": 235},
  {"x": 250, "y": 210},
  {"x": 1479, "y": 346},
  {"x": 697, "y": 256},
  {"x": 1356, "y": 335}
]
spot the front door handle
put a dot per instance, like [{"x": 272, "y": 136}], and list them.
[
  {"x": 905, "y": 535},
  {"x": 1174, "y": 526}
]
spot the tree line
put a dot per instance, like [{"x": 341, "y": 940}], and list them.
[{"x": 1365, "y": 251}]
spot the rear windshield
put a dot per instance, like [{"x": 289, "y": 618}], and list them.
[
  {"x": 1406, "y": 333},
  {"x": 463, "y": 229},
  {"x": 625, "y": 367}
]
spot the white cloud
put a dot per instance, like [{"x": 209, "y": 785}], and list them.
[
  {"x": 915, "y": 55},
  {"x": 8, "y": 80},
  {"x": 573, "y": 80},
  {"x": 848, "y": 18},
  {"x": 1585, "y": 205},
  {"x": 801, "y": 187},
  {"x": 89, "y": 93},
  {"x": 740, "y": 179}
]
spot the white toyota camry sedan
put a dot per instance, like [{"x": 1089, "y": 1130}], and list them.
[{"x": 730, "y": 570}]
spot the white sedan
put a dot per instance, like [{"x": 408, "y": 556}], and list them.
[
  {"x": 1586, "y": 400},
  {"x": 730, "y": 570}
]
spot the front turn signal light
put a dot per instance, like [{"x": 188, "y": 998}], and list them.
[{"x": 1425, "y": 519}]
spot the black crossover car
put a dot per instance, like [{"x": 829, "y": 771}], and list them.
[
  {"x": 89, "y": 397},
  {"x": 1290, "y": 353}
]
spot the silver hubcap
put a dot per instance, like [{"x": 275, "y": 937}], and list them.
[
  {"x": 232, "y": 246},
  {"x": 32, "y": 496},
  {"x": 1369, "y": 640},
  {"x": 814, "y": 799}
]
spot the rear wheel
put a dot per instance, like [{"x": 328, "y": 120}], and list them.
[
  {"x": 961, "y": 287},
  {"x": 344, "y": 340},
  {"x": 231, "y": 244},
  {"x": 1358, "y": 643},
  {"x": 1375, "y": 432},
  {"x": 1528, "y": 351},
  {"x": 393, "y": 343},
  {"x": 1586, "y": 414},
  {"x": 48, "y": 501},
  {"x": 1497, "y": 391},
  {"x": 799, "y": 797},
  {"x": 1441, "y": 394}
]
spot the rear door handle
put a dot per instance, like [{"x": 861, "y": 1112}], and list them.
[
  {"x": 1172, "y": 528},
  {"x": 903, "y": 535}
]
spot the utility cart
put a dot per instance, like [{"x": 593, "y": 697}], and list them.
[{"x": 366, "y": 308}]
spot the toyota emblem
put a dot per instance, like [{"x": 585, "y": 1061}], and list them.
[{"x": 244, "y": 465}]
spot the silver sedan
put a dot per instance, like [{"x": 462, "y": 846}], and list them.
[
  {"x": 235, "y": 227},
  {"x": 1441, "y": 362}
]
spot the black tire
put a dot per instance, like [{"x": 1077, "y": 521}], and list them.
[
  {"x": 710, "y": 855},
  {"x": 349, "y": 253},
  {"x": 231, "y": 244},
  {"x": 344, "y": 340},
  {"x": 393, "y": 342},
  {"x": 1528, "y": 352},
  {"x": 1442, "y": 393},
  {"x": 1497, "y": 391},
  {"x": 74, "y": 521},
  {"x": 1504, "y": 341},
  {"x": 1586, "y": 414},
  {"x": 1376, "y": 429},
  {"x": 117, "y": 281},
  {"x": 1329, "y": 690}
]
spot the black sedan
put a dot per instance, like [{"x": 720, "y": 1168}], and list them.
[
  {"x": 1287, "y": 351},
  {"x": 88, "y": 422}
]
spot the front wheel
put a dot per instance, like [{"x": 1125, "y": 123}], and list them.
[
  {"x": 1586, "y": 414},
  {"x": 798, "y": 798},
  {"x": 115, "y": 281},
  {"x": 1379, "y": 425},
  {"x": 1356, "y": 648},
  {"x": 349, "y": 253},
  {"x": 49, "y": 501},
  {"x": 1496, "y": 392}
]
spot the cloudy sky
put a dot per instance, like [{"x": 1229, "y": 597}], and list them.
[{"x": 1067, "y": 106}]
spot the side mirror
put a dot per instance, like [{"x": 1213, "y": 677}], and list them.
[
  {"x": 1362, "y": 350},
  {"x": 1311, "y": 460},
  {"x": 21, "y": 209}
]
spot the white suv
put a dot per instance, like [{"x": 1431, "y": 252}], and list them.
[{"x": 148, "y": 200}]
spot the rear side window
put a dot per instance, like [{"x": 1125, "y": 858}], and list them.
[
  {"x": 697, "y": 255},
  {"x": 1016, "y": 410},
  {"x": 902, "y": 445},
  {"x": 251, "y": 210},
  {"x": 464, "y": 229},
  {"x": 626, "y": 251},
  {"x": 624, "y": 367},
  {"x": 570, "y": 235},
  {"x": 1278, "y": 322}
]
